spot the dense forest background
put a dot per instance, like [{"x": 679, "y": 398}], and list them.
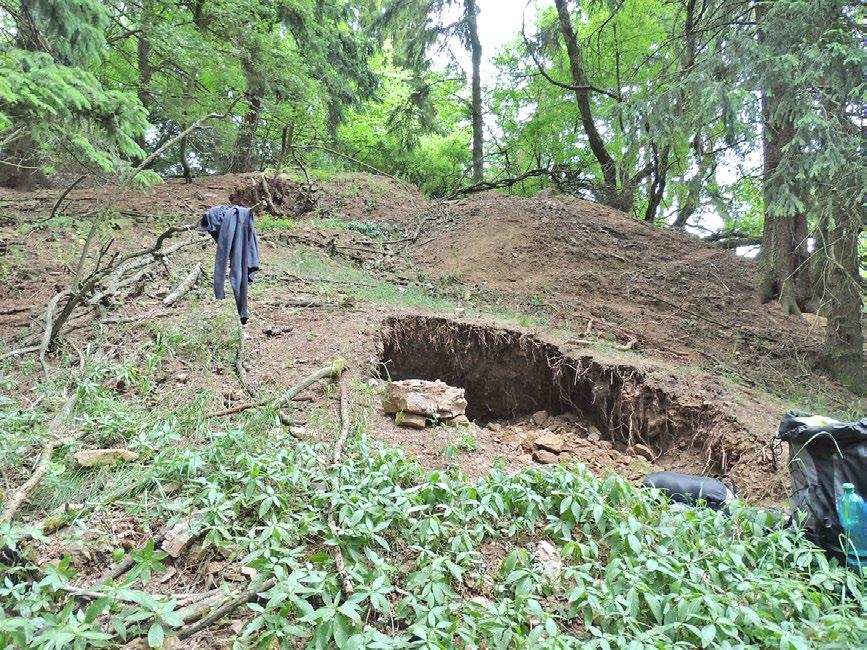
[{"x": 741, "y": 121}]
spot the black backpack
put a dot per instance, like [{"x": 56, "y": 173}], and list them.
[{"x": 821, "y": 458}]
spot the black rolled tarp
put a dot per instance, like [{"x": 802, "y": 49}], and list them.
[
  {"x": 822, "y": 456},
  {"x": 691, "y": 489}
]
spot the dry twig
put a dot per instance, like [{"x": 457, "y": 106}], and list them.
[
  {"x": 254, "y": 590},
  {"x": 239, "y": 364}
]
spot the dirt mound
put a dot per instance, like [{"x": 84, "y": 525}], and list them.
[
  {"x": 367, "y": 197},
  {"x": 600, "y": 272},
  {"x": 349, "y": 197},
  {"x": 662, "y": 338}
]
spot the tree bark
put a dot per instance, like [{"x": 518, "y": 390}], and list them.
[
  {"x": 658, "y": 178},
  {"x": 145, "y": 70},
  {"x": 784, "y": 257},
  {"x": 287, "y": 137},
  {"x": 476, "y": 52},
  {"x": 610, "y": 192},
  {"x": 844, "y": 342},
  {"x": 246, "y": 141},
  {"x": 19, "y": 167},
  {"x": 185, "y": 164}
]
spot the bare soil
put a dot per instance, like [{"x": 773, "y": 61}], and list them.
[{"x": 652, "y": 336}]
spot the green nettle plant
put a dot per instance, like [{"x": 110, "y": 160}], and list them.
[{"x": 436, "y": 560}]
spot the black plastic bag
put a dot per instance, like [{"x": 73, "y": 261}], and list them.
[{"x": 823, "y": 456}]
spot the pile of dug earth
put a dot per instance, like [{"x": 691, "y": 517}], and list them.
[
  {"x": 547, "y": 439},
  {"x": 541, "y": 438}
]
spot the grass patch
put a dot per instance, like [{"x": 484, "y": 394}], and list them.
[
  {"x": 371, "y": 229},
  {"x": 333, "y": 278},
  {"x": 268, "y": 222}
]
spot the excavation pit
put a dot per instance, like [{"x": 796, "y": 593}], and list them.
[{"x": 508, "y": 375}]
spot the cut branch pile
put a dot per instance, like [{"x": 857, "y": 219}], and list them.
[
  {"x": 121, "y": 276},
  {"x": 280, "y": 196}
]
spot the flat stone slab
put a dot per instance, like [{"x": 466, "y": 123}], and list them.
[
  {"x": 432, "y": 399},
  {"x": 101, "y": 457}
]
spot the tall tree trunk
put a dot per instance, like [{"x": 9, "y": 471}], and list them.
[
  {"x": 611, "y": 194},
  {"x": 287, "y": 137},
  {"x": 784, "y": 257},
  {"x": 246, "y": 142},
  {"x": 19, "y": 163},
  {"x": 476, "y": 52},
  {"x": 819, "y": 262},
  {"x": 185, "y": 164},
  {"x": 844, "y": 342},
  {"x": 705, "y": 161},
  {"x": 145, "y": 71},
  {"x": 658, "y": 179}
]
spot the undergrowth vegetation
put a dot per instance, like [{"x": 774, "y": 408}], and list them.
[{"x": 436, "y": 560}]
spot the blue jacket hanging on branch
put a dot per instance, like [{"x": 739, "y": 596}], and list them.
[{"x": 233, "y": 229}]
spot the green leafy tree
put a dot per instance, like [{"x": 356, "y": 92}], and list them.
[
  {"x": 415, "y": 26},
  {"x": 808, "y": 63},
  {"x": 52, "y": 106}
]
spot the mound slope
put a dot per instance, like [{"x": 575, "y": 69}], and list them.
[{"x": 601, "y": 272}]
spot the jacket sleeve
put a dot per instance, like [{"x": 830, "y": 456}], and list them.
[{"x": 224, "y": 248}]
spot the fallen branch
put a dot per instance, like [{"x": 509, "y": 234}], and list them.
[
  {"x": 85, "y": 289},
  {"x": 19, "y": 351},
  {"x": 484, "y": 186},
  {"x": 120, "y": 320},
  {"x": 254, "y": 590},
  {"x": 345, "y": 426},
  {"x": 64, "y": 195},
  {"x": 623, "y": 348},
  {"x": 305, "y": 304},
  {"x": 126, "y": 563},
  {"x": 57, "y": 423},
  {"x": 186, "y": 284},
  {"x": 95, "y": 594},
  {"x": 332, "y": 371},
  {"x": 114, "y": 287},
  {"x": 14, "y": 310},
  {"x": 192, "y": 611},
  {"x": 732, "y": 239}
]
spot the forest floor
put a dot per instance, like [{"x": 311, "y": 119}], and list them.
[{"x": 644, "y": 348}]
